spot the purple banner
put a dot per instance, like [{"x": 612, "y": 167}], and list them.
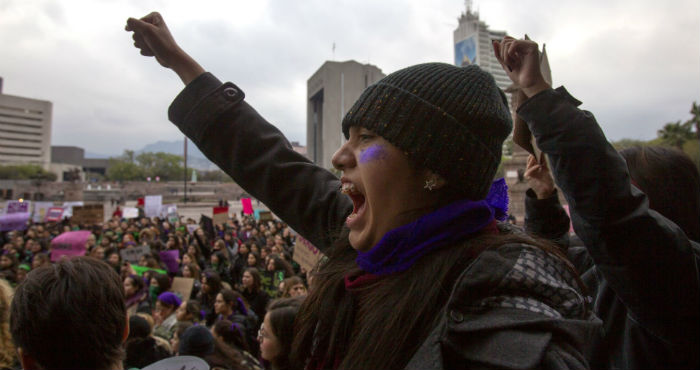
[
  {"x": 170, "y": 259},
  {"x": 14, "y": 221},
  {"x": 70, "y": 243}
]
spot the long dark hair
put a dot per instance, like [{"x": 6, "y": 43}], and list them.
[
  {"x": 257, "y": 281},
  {"x": 331, "y": 319},
  {"x": 671, "y": 181},
  {"x": 282, "y": 313}
]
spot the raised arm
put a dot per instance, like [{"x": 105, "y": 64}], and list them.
[
  {"x": 647, "y": 259},
  {"x": 243, "y": 144}
]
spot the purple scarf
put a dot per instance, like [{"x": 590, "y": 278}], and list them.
[{"x": 400, "y": 248}]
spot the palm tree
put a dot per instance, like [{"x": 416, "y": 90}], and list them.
[{"x": 675, "y": 134}]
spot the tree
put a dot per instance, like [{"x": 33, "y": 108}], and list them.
[
  {"x": 25, "y": 172},
  {"x": 675, "y": 134},
  {"x": 121, "y": 170},
  {"x": 628, "y": 143},
  {"x": 695, "y": 120},
  {"x": 164, "y": 165}
]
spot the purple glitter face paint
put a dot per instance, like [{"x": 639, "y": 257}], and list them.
[{"x": 373, "y": 153}]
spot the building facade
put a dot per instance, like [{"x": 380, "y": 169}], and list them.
[
  {"x": 25, "y": 131},
  {"x": 65, "y": 160},
  {"x": 331, "y": 92},
  {"x": 472, "y": 45}
]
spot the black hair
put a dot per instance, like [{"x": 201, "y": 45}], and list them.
[
  {"x": 54, "y": 317},
  {"x": 232, "y": 334},
  {"x": 282, "y": 313},
  {"x": 671, "y": 181}
]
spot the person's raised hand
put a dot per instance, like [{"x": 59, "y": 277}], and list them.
[
  {"x": 538, "y": 178},
  {"x": 521, "y": 61},
  {"x": 153, "y": 38}
]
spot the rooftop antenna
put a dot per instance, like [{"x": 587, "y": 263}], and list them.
[
  {"x": 333, "y": 50},
  {"x": 468, "y": 5}
]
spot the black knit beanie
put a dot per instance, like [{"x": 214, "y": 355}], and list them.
[{"x": 448, "y": 119}]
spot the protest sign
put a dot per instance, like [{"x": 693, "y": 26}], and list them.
[
  {"x": 182, "y": 286},
  {"x": 191, "y": 228},
  {"x": 141, "y": 269},
  {"x": 54, "y": 214},
  {"x": 40, "y": 211},
  {"x": 256, "y": 214},
  {"x": 171, "y": 260},
  {"x": 247, "y": 206},
  {"x": 89, "y": 214},
  {"x": 265, "y": 216},
  {"x": 130, "y": 212},
  {"x": 14, "y": 221},
  {"x": 68, "y": 208},
  {"x": 70, "y": 243},
  {"x": 306, "y": 254},
  {"x": 220, "y": 215},
  {"x": 172, "y": 214},
  {"x": 152, "y": 205},
  {"x": 15, "y": 206},
  {"x": 132, "y": 255},
  {"x": 166, "y": 209}
]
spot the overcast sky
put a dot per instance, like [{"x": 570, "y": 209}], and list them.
[{"x": 634, "y": 63}]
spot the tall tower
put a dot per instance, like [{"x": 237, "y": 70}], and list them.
[{"x": 472, "y": 42}]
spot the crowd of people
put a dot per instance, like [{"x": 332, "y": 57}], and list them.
[
  {"x": 421, "y": 271},
  {"x": 238, "y": 268}
]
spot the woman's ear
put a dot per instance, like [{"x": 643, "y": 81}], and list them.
[{"x": 433, "y": 181}]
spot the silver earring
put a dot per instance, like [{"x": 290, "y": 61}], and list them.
[{"x": 430, "y": 184}]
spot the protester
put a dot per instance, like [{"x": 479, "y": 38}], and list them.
[
  {"x": 198, "y": 341},
  {"x": 276, "y": 271},
  {"x": 159, "y": 283},
  {"x": 632, "y": 345},
  {"x": 180, "y": 328},
  {"x": 55, "y": 323},
  {"x": 165, "y": 314},
  {"x": 141, "y": 348},
  {"x": 136, "y": 295},
  {"x": 189, "y": 311},
  {"x": 293, "y": 287},
  {"x": 253, "y": 293},
  {"x": 644, "y": 268},
  {"x": 8, "y": 360},
  {"x": 211, "y": 285},
  {"x": 8, "y": 267},
  {"x": 277, "y": 332},
  {"x": 413, "y": 245}
]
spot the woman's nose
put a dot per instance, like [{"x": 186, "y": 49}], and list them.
[{"x": 343, "y": 158}]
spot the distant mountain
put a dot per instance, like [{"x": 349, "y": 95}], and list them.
[
  {"x": 195, "y": 158},
  {"x": 92, "y": 155}
]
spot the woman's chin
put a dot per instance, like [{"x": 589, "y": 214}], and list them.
[{"x": 358, "y": 242}]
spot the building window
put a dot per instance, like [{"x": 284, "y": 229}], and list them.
[{"x": 317, "y": 129}]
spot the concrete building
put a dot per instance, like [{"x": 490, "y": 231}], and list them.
[
  {"x": 331, "y": 92},
  {"x": 25, "y": 130},
  {"x": 472, "y": 45},
  {"x": 66, "y": 159}
]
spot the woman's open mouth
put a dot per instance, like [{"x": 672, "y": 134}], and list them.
[{"x": 358, "y": 201}]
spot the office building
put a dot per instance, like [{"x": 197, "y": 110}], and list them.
[
  {"x": 331, "y": 92},
  {"x": 25, "y": 131}
]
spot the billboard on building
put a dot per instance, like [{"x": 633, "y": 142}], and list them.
[{"x": 465, "y": 51}]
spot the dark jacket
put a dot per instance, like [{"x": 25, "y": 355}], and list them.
[
  {"x": 641, "y": 269},
  {"x": 512, "y": 307}
]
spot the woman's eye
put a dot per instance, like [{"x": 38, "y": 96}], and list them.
[{"x": 365, "y": 137}]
